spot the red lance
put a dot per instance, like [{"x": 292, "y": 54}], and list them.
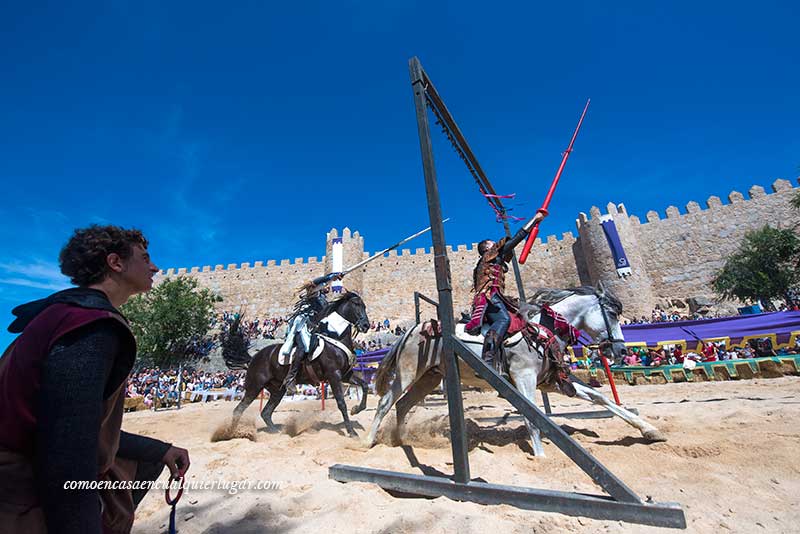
[{"x": 535, "y": 230}]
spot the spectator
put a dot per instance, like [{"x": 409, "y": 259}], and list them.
[
  {"x": 710, "y": 352},
  {"x": 678, "y": 354}
]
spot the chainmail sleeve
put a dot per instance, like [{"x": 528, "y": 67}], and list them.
[
  {"x": 68, "y": 421},
  {"x": 79, "y": 373}
]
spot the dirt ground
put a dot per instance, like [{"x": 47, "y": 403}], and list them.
[{"x": 731, "y": 461}]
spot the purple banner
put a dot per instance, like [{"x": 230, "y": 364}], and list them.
[{"x": 621, "y": 262}]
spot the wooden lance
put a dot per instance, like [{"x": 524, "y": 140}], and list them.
[
  {"x": 535, "y": 230},
  {"x": 384, "y": 251}
]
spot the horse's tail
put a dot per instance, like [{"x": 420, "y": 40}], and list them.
[
  {"x": 389, "y": 363},
  {"x": 237, "y": 360}
]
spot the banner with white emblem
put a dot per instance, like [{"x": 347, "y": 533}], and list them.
[{"x": 337, "y": 257}]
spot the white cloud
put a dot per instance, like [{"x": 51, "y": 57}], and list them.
[
  {"x": 33, "y": 283},
  {"x": 37, "y": 273}
]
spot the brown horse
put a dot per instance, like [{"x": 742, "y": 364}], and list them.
[{"x": 333, "y": 365}]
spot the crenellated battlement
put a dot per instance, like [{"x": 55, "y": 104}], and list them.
[
  {"x": 246, "y": 266},
  {"x": 692, "y": 207},
  {"x": 674, "y": 253},
  {"x": 755, "y": 193}
]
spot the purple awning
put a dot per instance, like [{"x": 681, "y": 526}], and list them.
[{"x": 780, "y": 323}]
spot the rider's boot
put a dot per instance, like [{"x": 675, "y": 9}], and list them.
[
  {"x": 490, "y": 342},
  {"x": 290, "y": 381},
  {"x": 493, "y": 353}
]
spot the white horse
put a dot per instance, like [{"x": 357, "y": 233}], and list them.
[{"x": 413, "y": 367}]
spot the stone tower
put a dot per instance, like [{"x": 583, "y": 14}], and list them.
[
  {"x": 353, "y": 250},
  {"x": 636, "y": 290}
]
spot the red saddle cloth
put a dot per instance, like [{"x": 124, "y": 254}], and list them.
[
  {"x": 473, "y": 327},
  {"x": 561, "y": 327}
]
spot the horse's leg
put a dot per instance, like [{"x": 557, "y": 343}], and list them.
[
  {"x": 335, "y": 379},
  {"x": 384, "y": 405},
  {"x": 364, "y": 390},
  {"x": 256, "y": 378},
  {"x": 525, "y": 381},
  {"x": 276, "y": 394},
  {"x": 421, "y": 388},
  {"x": 248, "y": 399},
  {"x": 648, "y": 431}
]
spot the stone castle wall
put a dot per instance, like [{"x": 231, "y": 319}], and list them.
[{"x": 673, "y": 259}]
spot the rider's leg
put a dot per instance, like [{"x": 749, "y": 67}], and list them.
[
  {"x": 291, "y": 378},
  {"x": 500, "y": 320},
  {"x": 499, "y": 316},
  {"x": 288, "y": 345}
]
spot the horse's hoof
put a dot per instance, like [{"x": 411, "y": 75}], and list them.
[
  {"x": 352, "y": 433},
  {"x": 654, "y": 436}
]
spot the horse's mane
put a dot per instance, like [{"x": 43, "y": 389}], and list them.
[
  {"x": 547, "y": 295},
  {"x": 335, "y": 304}
]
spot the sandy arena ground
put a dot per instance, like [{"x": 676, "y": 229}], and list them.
[{"x": 731, "y": 460}]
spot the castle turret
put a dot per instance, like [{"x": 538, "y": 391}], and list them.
[
  {"x": 352, "y": 253},
  {"x": 635, "y": 290}
]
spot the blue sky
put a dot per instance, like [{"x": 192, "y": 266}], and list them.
[{"x": 245, "y": 131}]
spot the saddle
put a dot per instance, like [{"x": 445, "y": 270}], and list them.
[
  {"x": 554, "y": 372},
  {"x": 477, "y": 339},
  {"x": 318, "y": 342}
]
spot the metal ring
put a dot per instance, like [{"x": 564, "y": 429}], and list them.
[{"x": 173, "y": 502}]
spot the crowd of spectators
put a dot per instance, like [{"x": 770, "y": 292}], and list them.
[
  {"x": 386, "y": 326},
  {"x": 160, "y": 387},
  {"x": 265, "y": 328},
  {"x": 660, "y": 316},
  {"x": 710, "y": 352}
]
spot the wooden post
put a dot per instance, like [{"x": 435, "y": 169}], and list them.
[{"x": 458, "y": 436}]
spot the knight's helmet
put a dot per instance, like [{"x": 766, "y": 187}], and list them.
[{"x": 483, "y": 246}]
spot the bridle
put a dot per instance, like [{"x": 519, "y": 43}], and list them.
[
  {"x": 605, "y": 346},
  {"x": 353, "y": 322}
]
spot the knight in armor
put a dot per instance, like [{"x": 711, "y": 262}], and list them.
[
  {"x": 306, "y": 315},
  {"x": 490, "y": 305}
]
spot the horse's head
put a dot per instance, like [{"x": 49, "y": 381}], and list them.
[
  {"x": 595, "y": 311},
  {"x": 353, "y": 309},
  {"x": 603, "y": 316}
]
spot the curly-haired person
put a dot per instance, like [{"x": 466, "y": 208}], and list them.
[{"x": 62, "y": 389}]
